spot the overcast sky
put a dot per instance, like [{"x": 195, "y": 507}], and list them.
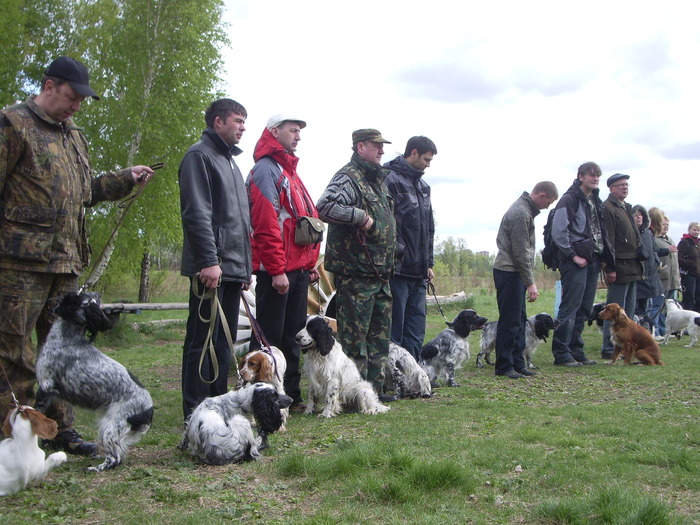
[{"x": 511, "y": 93}]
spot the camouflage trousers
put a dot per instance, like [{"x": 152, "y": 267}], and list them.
[
  {"x": 364, "y": 324},
  {"x": 27, "y": 302}
]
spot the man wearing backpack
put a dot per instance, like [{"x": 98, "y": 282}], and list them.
[{"x": 579, "y": 236}]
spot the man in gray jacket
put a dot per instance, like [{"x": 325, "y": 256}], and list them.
[
  {"x": 216, "y": 248},
  {"x": 514, "y": 277}
]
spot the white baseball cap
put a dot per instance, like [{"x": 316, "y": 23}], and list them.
[{"x": 275, "y": 120}]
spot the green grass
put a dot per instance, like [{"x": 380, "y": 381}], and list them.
[{"x": 594, "y": 445}]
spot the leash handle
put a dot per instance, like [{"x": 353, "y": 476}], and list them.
[{"x": 208, "y": 347}]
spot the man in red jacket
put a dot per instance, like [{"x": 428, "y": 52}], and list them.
[{"x": 283, "y": 268}]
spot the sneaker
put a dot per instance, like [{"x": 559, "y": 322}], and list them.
[
  {"x": 73, "y": 443},
  {"x": 588, "y": 362},
  {"x": 387, "y": 398},
  {"x": 659, "y": 337},
  {"x": 571, "y": 363}
]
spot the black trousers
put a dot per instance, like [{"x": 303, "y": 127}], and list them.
[
  {"x": 281, "y": 316},
  {"x": 194, "y": 390}
]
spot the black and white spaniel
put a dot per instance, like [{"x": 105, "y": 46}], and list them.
[
  {"x": 335, "y": 383},
  {"x": 445, "y": 353},
  {"x": 71, "y": 368},
  {"x": 219, "y": 430},
  {"x": 537, "y": 331}
]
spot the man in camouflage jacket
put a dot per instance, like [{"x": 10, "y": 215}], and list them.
[
  {"x": 45, "y": 183},
  {"x": 360, "y": 253}
]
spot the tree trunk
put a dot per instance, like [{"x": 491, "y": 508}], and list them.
[{"x": 145, "y": 283}]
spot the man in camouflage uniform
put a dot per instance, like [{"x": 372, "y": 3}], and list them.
[
  {"x": 45, "y": 183},
  {"x": 360, "y": 253}
]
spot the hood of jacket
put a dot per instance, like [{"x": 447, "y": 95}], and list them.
[
  {"x": 400, "y": 165},
  {"x": 269, "y": 146},
  {"x": 646, "y": 221}
]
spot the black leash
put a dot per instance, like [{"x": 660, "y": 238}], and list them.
[{"x": 431, "y": 290}]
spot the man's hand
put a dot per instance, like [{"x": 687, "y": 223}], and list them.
[
  {"x": 431, "y": 275},
  {"x": 210, "y": 276},
  {"x": 314, "y": 276},
  {"x": 141, "y": 174},
  {"x": 280, "y": 283},
  {"x": 611, "y": 277},
  {"x": 532, "y": 293},
  {"x": 580, "y": 261}
]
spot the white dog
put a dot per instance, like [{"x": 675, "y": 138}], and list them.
[
  {"x": 21, "y": 459},
  {"x": 334, "y": 381},
  {"x": 678, "y": 320},
  {"x": 404, "y": 375}
]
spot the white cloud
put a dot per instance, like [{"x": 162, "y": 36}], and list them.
[{"x": 510, "y": 92}]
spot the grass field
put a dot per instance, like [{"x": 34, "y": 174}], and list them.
[{"x": 593, "y": 445}]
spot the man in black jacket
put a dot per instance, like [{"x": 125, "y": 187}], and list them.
[
  {"x": 414, "y": 244},
  {"x": 216, "y": 248}
]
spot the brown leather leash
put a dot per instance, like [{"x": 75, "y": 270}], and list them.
[
  {"x": 259, "y": 335},
  {"x": 212, "y": 295}
]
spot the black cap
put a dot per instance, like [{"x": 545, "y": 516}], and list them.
[
  {"x": 75, "y": 73},
  {"x": 616, "y": 177}
]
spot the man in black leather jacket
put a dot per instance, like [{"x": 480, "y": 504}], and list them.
[
  {"x": 216, "y": 248},
  {"x": 415, "y": 232}
]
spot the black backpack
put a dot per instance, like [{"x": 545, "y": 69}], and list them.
[{"x": 550, "y": 251}]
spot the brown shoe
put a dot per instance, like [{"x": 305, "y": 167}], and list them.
[{"x": 297, "y": 408}]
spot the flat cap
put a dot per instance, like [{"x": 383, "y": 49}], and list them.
[
  {"x": 275, "y": 120},
  {"x": 613, "y": 178}
]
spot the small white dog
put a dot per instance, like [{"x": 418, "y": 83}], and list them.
[
  {"x": 219, "y": 432},
  {"x": 404, "y": 376},
  {"x": 678, "y": 320},
  {"x": 267, "y": 366},
  {"x": 21, "y": 459},
  {"x": 334, "y": 381}
]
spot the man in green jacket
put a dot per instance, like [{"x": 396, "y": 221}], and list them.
[
  {"x": 626, "y": 269},
  {"x": 46, "y": 181},
  {"x": 360, "y": 253}
]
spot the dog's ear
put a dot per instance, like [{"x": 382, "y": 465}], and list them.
[
  {"x": 266, "y": 409},
  {"x": 264, "y": 367},
  {"x": 7, "y": 426},
  {"x": 42, "y": 426},
  {"x": 96, "y": 320},
  {"x": 461, "y": 323},
  {"x": 323, "y": 335}
]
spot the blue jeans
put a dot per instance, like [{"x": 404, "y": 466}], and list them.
[
  {"x": 657, "y": 315},
  {"x": 626, "y": 296},
  {"x": 512, "y": 316},
  {"x": 578, "y": 287},
  {"x": 408, "y": 313}
]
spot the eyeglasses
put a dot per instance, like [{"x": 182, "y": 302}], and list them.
[{"x": 622, "y": 185}]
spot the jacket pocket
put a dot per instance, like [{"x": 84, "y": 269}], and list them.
[{"x": 27, "y": 233}]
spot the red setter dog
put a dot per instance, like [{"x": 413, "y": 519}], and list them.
[{"x": 629, "y": 338}]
